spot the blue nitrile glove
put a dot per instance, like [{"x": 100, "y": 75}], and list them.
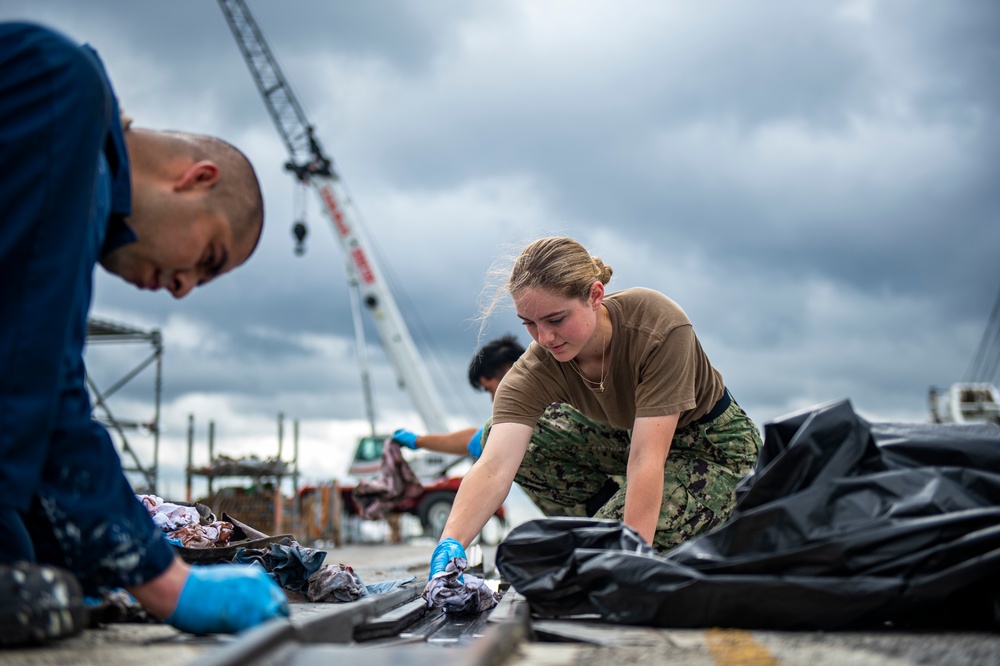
[
  {"x": 447, "y": 550},
  {"x": 405, "y": 438},
  {"x": 226, "y": 599},
  {"x": 475, "y": 444}
]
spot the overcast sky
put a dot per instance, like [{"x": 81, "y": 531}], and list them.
[{"x": 810, "y": 181}]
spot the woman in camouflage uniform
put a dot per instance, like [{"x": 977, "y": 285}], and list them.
[{"x": 634, "y": 386}]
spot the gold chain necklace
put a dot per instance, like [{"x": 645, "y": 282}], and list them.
[{"x": 591, "y": 384}]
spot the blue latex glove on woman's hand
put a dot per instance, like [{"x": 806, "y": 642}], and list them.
[
  {"x": 226, "y": 599},
  {"x": 445, "y": 552},
  {"x": 405, "y": 438}
]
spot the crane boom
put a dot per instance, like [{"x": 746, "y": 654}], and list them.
[{"x": 312, "y": 166}]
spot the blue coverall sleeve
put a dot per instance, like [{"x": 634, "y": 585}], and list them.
[
  {"x": 55, "y": 105},
  {"x": 56, "y": 463}
]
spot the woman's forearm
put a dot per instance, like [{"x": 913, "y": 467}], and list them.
[
  {"x": 651, "y": 438},
  {"x": 487, "y": 484},
  {"x": 478, "y": 498},
  {"x": 643, "y": 497}
]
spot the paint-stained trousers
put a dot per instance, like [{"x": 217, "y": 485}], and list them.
[{"x": 576, "y": 467}]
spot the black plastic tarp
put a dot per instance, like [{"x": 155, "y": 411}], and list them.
[{"x": 843, "y": 524}]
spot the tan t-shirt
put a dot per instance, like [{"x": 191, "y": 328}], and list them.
[{"x": 657, "y": 368}]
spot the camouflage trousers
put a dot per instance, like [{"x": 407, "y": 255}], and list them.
[{"x": 576, "y": 467}]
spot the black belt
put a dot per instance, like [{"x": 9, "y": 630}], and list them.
[{"x": 721, "y": 406}]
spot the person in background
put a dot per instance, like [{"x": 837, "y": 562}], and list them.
[
  {"x": 488, "y": 366},
  {"x": 654, "y": 438},
  {"x": 162, "y": 210}
]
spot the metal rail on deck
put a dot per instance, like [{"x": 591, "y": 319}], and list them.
[{"x": 390, "y": 628}]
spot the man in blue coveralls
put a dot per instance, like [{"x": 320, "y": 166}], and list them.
[{"x": 163, "y": 210}]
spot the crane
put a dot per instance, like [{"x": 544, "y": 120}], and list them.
[
  {"x": 312, "y": 166},
  {"x": 976, "y": 399}
]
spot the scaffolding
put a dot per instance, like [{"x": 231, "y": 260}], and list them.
[
  {"x": 259, "y": 502},
  {"x": 101, "y": 332}
]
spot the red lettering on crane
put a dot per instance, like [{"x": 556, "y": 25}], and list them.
[
  {"x": 364, "y": 269},
  {"x": 335, "y": 213}
]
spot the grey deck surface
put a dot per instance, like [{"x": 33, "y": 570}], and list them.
[{"x": 585, "y": 641}]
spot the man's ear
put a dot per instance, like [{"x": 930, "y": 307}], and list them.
[{"x": 203, "y": 174}]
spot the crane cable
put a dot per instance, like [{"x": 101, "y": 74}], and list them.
[
  {"x": 419, "y": 328},
  {"x": 983, "y": 367}
]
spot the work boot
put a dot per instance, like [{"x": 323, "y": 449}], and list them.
[{"x": 38, "y": 603}]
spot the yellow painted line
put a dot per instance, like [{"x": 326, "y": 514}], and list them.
[{"x": 734, "y": 647}]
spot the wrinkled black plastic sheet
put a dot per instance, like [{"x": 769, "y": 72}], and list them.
[{"x": 843, "y": 524}]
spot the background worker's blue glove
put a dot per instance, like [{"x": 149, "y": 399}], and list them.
[
  {"x": 444, "y": 553},
  {"x": 226, "y": 599},
  {"x": 475, "y": 444},
  {"x": 405, "y": 438}
]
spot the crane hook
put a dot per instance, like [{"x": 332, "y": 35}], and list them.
[{"x": 300, "y": 231}]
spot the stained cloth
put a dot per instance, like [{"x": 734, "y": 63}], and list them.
[
  {"x": 185, "y": 525},
  {"x": 340, "y": 583},
  {"x": 289, "y": 563},
  {"x": 395, "y": 483},
  {"x": 455, "y": 591},
  {"x": 335, "y": 582}
]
